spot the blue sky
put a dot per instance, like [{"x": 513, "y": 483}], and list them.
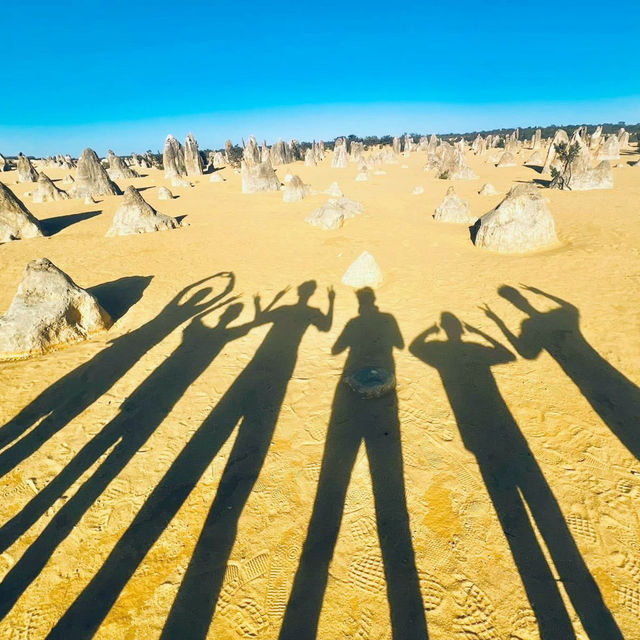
[{"x": 124, "y": 74}]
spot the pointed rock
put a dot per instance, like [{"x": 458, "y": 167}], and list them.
[
  {"x": 173, "y": 158},
  {"x": 363, "y": 272},
  {"x": 135, "y": 215},
  {"x": 521, "y": 222},
  {"x": 260, "y": 177},
  {"x": 92, "y": 179},
  {"x": 164, "y": 193},
  {"x": 507, "y": 159},
  {"x": 49, "y": 310},
  {"x": 488, "y": 190},
  {"x": 535, "y": 160},
  {"x": 454, "y": 209},
  {"x": 294, "y": 190},
  {"x": 118, "y": 170},
  {"x": 26, "y": 172},
  {"x": 334, "y": 190},
  {"x": 192, "y": 159},
  {"x": 216, "y": 176},
  {"x": 47, "y": 191},
  {"x": 16, "y": 221}
]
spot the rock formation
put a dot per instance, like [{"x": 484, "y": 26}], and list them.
[
  {"x": 418, "y": 191},
  {"x": 339, "y": 159},
  {"x": 49, "y": 310},
  {"x": 488, "y": 190},
  {"x": 118, "y": 170},
  {"x": 362, "y": 176},
  {"x": 535, "y": 160},
  {"x": 16, "y": 221},
  {"x": 521, "y": 222},
  {"x": 309, "y": 159},
  {"x": 294, "y": 190},
  {"x": 560, "y": 136},
  {"x": 26, "y": 172},
  {"x": 46, "y": 191},
  {"x": 135, "y": 215},
  {"x": 333, "y": 214},
  {"x": 334, "y": 190},
  {"x": 92, "y": 179},
  {"x": 579, "y": 176},
  {"x": 363, "y": 272},
  {"x": 610, "y": 149},
  {"x": 259, "y": 177},
  {"x": 449, "y": 164},
  {"x": 173, "y": 158},
  {"x": 507, "y": 159},
  {"x": 164, "y": 194},
  {"x": 192, "y": 159},
  {"x": 4, "y": 164},
  {"x": 216, "y": 176},
  {"x": 454, "y": 209}
]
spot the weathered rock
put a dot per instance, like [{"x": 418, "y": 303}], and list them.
[
  {"x": 363, "y": 176},
  {"x": 450, "y": 164},
  {"x": 216, "y": 176},
  {"x": 521, "y": 222},
  {"x": 581, "y": 177},
  {"x": 4, "y": 164},
  {"x": 535, "y": 160},
  {"x": 260, "y": 177},
  {"x": 454, "y": 209},
  {"x": 192, "y": 160},
  {"x": 326, "y": 217},
  {"x": 294, "y": 190},
  {"x": 309, "y": 159},
  {"x": 610, "y": 149},
  {"x": 559, "y": 136},
  {"x": 396, "y": 145},
  {"x": 68, "y": 179},
  {"x": 26, "y": 172},
  {"x": 118, "y": 170},
  {"x": 488, "y": 190},
  {"x": 334, "y": 190},
  {"x": 349, "y": 207},
  {"x": 363, "y": 272},
  {"x": 279, "y": 154},
  {"x": 340, "y": 158},
  {"x": 135, "y": 215},
  {"x": 46, "y": 191},
  {"x": 507, "y": 159},
  {"x": 49, "y": 310},
  {"x": 251, "y": 153},
  {"x": 164, "y": 194},
  {"x": 16, "y": 221},
  {"x": 92, "y": 179},
  {"x": 173, "y": 158},
  {"x": 179, "y": 181},
  {"x": 417, "y": 191}
]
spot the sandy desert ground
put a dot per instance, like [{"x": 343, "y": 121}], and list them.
[{"x": 154, "y": 431}]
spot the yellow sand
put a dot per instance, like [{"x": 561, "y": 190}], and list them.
[{"x": 469, "y": 580}]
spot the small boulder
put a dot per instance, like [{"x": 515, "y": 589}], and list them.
[
  {"x": 507, "y": 159},
  {"x": 488, "y": 190},
  {"x": 135, "y": 215},
  {"x": 294, "y": 190},
  {"x": 49, "y": 310},
  {"x": 454, "y": 209},
  {"x": 216, "y": 177},
  {"x": 47, "y": 191},
  {"x": 334, "y": 190},
  {"x": 164, "y": 194},
  {"x": 535, "y": 160},
  {"x": 16, "y": 221},
  {"x": 363, "y": 272},
  {"x": 521, "y": 222},
  {"x": 418, "y": 191}
]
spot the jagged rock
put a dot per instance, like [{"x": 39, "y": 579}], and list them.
[
  {"x": 251, "y": 153},
  {"x": 68, "y": 179},
  {"x": 507, "y": 159},
  {"x": 294, "y": 190},
  {"x": 216, "y": 177},
  {"x": 173, "y": 158},
  {"x": 260, "y": 177},
  {"x": 363, "y": 272},
  {"x": 164, "y": 194},
  {"x": 488, "y": 190},
  {"x": 521, "y": 222},
  {"x": 559, "y": 136},
  {"x": 92, "y": 178},
  {"x": 309, "y": 159},
  {"x": 363, "y": 176},
  {"x": 340, "y": 158},
  {"x": 454, "y": 209},
  {"x": 450, "y": 164},
  {"x": 135, "y": 215},
  {"x": 357, "y": 151},
  {"x": 16, "y": 221},
  {"x": 581, "y": 177},
  {"x": 334, "y": 190},
  {"x": 192, "y": 159},
  {"x": 49, "y": 310},
  {"x": 535, "y": 160},
  {"x": 350, "y": 208},
  {"x": 47, "y": 191},
  {"x": 26, "y": 172},
  {"x": 218, "y": 161},
  {"x": 118, "y": 170},
  {"x": 295, "y": 151},
  {"x": 418, "y": 191},
  {"x": 279, "y": 154},
  {"x": 610, "y": 149}
]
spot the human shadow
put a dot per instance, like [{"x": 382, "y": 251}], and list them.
[
  {"x": 51, "y": 226},
  {"x": 515, "y": 482},
  {"x": 253, "y": 400},
  {"x": 118, "y": 442},
  {"x": 370, "y": 338},
  {"x": 118, "y": 296},
  {"x": 68, "y": 397},
  {"x": 614, "y": 397}
]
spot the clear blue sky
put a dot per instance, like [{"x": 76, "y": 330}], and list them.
[{"x": 124, "y": 74}]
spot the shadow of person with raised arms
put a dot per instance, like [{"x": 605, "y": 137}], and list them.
[
  {"x": 254, "y": 399},
  {"x": 67, "y": 398},
  {"x": 370, "y": 338},
  {"x": 514, "y": 482},
  {"x": 612, "y": 395},
  {"x": 118, "y": 441}
]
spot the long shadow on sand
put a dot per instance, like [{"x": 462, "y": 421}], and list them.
[
  {"x": 51, "y": 226},
  {"x": 253, "y": 400},
  {"x": 118, "y": 296},
  {"x": 515, "y": 483},
  {"x": 118, "y": 441},
  {"x": 67, "y": 398},
  {"x": 612, "y": 395},
  {"x": 370, "y": 338}
]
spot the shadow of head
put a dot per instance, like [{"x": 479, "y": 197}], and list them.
[
  {"x": 516, "y": 299},
  {"x": 231, "y": 313},
  {"x": 451, "y": 325},
  {"x": 366, "y": 300},
  {"x": 118, "y": 296},
  {"x": 306, "y": 290}
]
